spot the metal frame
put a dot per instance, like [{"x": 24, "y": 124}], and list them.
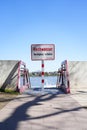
[
  {"x": 63, "y": 81},
  {"x": 25, "y": 73}
]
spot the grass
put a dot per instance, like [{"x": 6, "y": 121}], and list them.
[{"x": 9, "y": 91}]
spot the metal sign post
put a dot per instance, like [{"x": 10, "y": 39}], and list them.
[
  {"x": 42, "y": 82},
  {"x": 42, "y": 52}
]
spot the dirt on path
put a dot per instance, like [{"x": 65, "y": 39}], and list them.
[{"x": 5, "y": 98}]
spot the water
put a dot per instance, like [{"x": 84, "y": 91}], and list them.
[
  {"x": 50, "y": 81},
  {"x": 49, "y": 87}
]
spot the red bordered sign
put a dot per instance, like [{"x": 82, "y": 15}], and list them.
[{"x": 42, "y": 52}]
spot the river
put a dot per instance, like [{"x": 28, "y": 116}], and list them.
[{"x": 49, "y": 80}]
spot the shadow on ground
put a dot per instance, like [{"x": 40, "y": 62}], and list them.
[{"x": 19, "y": 114}]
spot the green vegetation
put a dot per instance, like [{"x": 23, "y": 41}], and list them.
[
  {"x": 33, "y": 74},
  {"x": 9, "y": 91}
]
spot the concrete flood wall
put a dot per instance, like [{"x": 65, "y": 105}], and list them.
[
  {"x": 72, "y": 76},
  {"x": 77, "y": 74},
  {"x": 10, "y": 74}
]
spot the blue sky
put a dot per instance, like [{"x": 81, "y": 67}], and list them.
[{"x": 59, "y": 22}]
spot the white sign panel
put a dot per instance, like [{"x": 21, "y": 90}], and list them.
[{"x": 42, "y": 51}]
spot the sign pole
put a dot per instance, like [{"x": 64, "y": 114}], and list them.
[
  {"x": 42, "y": 52},
  {"x": 42, "y": 81}
]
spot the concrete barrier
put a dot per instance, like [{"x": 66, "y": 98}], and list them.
[
  {"x": 72, "y": 75},
  {"x": 77, "y": 74},
  {"x": 10, "y": 75}
]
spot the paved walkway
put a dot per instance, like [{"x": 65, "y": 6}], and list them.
[
  {"x": 43, "y": 112},
  {"x": 80, "y": 95}
]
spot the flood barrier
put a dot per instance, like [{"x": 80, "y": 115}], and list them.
[
  {"x": 63, "y": 81},
  {"x": 72, "y": 75},
  {"x": 11, "y": 73}
]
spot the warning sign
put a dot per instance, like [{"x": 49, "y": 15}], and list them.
[{"x": 42, "y": 51}]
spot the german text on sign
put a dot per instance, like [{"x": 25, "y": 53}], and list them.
[{"x": 42, "y": 51}]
